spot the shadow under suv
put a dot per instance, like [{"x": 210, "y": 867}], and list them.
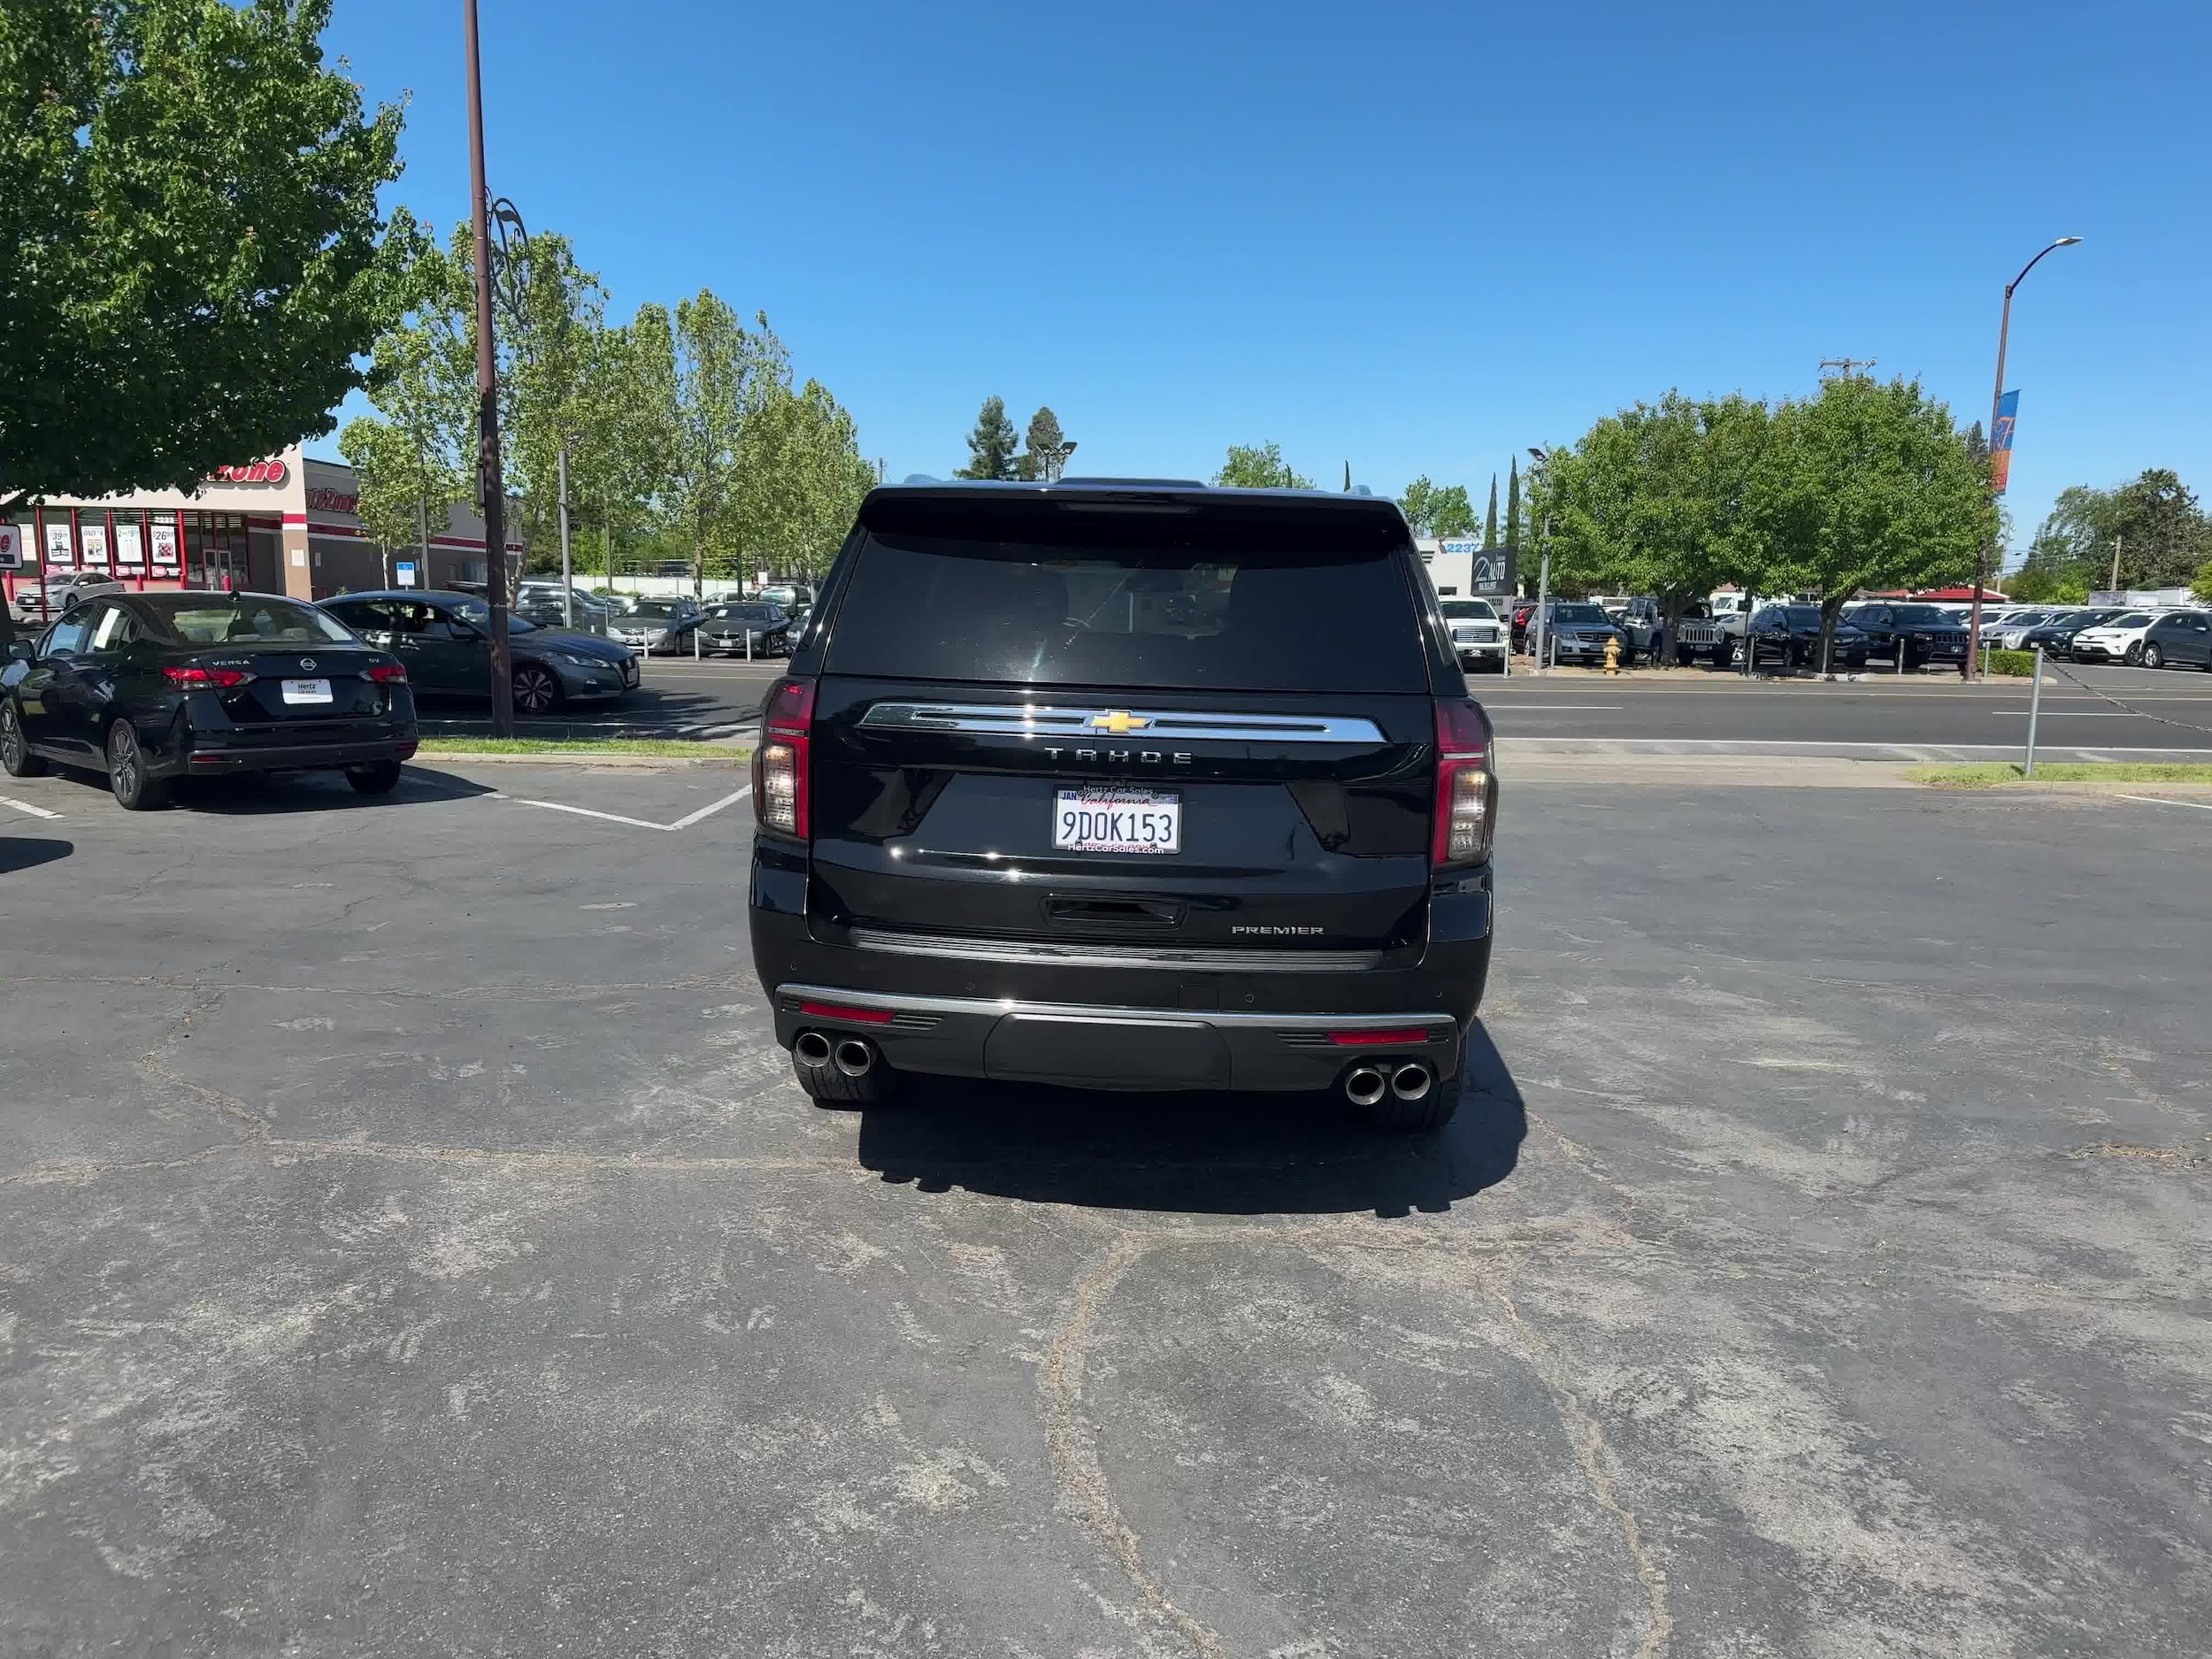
[{"x": 1127, "y": 787}]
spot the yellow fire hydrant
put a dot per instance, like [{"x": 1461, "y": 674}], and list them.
[{"x": 1613, "y": 654}]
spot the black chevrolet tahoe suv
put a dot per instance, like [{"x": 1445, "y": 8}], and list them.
[{"x": 1126, "y": 785}]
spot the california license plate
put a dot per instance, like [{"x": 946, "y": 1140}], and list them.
[
  {"x": 307, "y": 691},
  {"x": 1103, "y": 819}
]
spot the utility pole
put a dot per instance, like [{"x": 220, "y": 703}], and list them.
[
  {"x": 2118, "y": 542},
  {"x": 1844, "y": 367},
  {"x": 490, "y": 483}
]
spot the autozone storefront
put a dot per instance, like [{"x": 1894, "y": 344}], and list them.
[{"x": 287, "y": 525}]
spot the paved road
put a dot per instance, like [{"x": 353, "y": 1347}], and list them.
[
  {"x": 1920, "y": 717},
  {"x": 677, "y": 697},
  {"x": 410, "y": 1243}
]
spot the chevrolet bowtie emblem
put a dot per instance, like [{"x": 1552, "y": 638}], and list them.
[{"x": 1118, "y": 722}]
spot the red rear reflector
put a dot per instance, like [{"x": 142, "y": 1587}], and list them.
[
  {"x": 1378, "y": 1038},
  {"x": 224, "y": 678},
  {"x": 846, "y": 1011},
  {"x": 388, "y": 673}
]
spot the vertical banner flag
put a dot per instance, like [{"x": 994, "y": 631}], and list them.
[{"x": 2001, "y": 442}]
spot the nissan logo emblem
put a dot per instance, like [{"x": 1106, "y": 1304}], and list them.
[{"x": 307, "y": 662}]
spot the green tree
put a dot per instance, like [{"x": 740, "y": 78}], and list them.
[
  {"x": 1259, "y": 467},
  {"x": 1045, "y": 457},
  {"x": 2154, "y": 522},
  {"x": 1490, "y": 518},
  {"x": 2034, "y": 586},
  {"x": 1418, "y": 504},
  {"x": 801, "y": 477},
  {"x": 1869, "y": 485},
  {"x": 1513, "y": 506},
  {"x": 189, "y": 254},
  {"x": 991, "y": 445},
  {"x": 2202, "y": 586}
]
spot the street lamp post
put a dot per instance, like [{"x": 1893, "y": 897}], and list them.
[
  {"x": 491, "y": 482},
  {"x": 1541, "y": 457},
  {"x": 1996, "y": 403}
]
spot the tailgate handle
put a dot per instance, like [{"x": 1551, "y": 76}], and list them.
[{"x": 1116, "y": 912}]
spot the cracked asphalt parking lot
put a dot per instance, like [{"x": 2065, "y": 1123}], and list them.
[{"x": 412, "y": 1243}]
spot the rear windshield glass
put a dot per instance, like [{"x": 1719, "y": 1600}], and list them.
[
  {"x": 220, "y": 618},
  {"x": 1184, "y": 606}
]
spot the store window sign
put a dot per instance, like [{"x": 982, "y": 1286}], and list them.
[
  {"x": 10, "y": 548},
  {"x": 93, "y": 539},
  {"x": 259, "y": 472},
  {"x": 165, "y": 540},
  {"x": 130, "y": 550},
  {"x": 61, "y": 547}
]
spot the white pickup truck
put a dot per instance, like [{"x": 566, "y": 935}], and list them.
[{"x": 1478, "y": 633}]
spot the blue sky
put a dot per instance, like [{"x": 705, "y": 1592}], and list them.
[{"x": 1418, "y": 238}]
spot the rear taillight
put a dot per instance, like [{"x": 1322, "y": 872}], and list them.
[
  {"x": 780, "y": 763},
  {"x": 388, "y": 673},
  {"x": 203, "y": 678},
  {"x": 1466, "y": 789}
]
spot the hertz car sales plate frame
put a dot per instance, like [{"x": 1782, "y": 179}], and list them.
[{"x": 1109, "y": 818}]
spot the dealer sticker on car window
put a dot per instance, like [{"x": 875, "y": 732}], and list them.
[{"x": 1101, "y": 818}]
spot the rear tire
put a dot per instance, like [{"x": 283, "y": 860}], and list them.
[
  {"x": 1432, "y": 1111},
  {"x": 16, "y": 758},
  {"x": 134, "y": 791},
  {"x": 379, "y": 776}
]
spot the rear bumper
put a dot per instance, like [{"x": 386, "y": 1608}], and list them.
[
  {"x": 207, "y": 759},
  {"x": 1087, "y": 1025}
]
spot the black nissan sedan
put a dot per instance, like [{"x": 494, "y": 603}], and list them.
[
  {"x": 445, "y": 641},
  {"x": 148, "y": 688}
]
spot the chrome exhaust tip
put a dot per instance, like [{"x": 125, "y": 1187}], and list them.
[
  {"x": 855, "y": 1055},
  {"x": 1410, "y": 1082},
  {"x": 810, "y": 1047},
  {"x": 1365, "y": 1085}
]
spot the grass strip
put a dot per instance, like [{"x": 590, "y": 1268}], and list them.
[
  {"x": 658, "y": 748},
  {"x": 1991, "y": 774}
]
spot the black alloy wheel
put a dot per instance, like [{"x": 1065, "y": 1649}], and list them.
[
  {"x": 376, "y": 777},
  {"x": 134, "y": 791},
  {"x": 537, "y": 689},
  {"x": 2133, "y": 655},
  {"x": 2153, "y": 657},
  {"x": 16, "y": 758}
]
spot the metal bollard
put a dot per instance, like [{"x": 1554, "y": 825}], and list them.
[{"x": 2035, "y": 709}]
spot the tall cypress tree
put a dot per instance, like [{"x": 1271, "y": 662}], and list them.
[
  {"x": 1490, "y": 522},
  {"x": 1513, "y": 506}
]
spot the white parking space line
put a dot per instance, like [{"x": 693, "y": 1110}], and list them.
[
  {"x": 2067, "y": 714},
  {"x": 25, "y": 806},
  {"x": 585, "y": 811},
  {"x": 709, "y": 811},
  {"x": 2160, "y": 800},
  {"x": 684, "y": 822},
  {"x": 1608, "y": 708}
]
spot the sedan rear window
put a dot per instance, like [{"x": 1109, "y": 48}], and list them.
[
  {"x": 252, "y": 618},
  {"x": 1195, "y": 608}
]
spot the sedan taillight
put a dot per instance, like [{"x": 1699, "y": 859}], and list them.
[
  {"x": 205, "y": 679},
  {"x": 780, "y": 764},
  {"x": 388, "y": 673},
  {"x": 1466, "y": 789}
]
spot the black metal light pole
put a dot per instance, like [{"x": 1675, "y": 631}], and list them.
[
  {"x": 1996, "y": 403},
  {"x": 490, "y": 483}
]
